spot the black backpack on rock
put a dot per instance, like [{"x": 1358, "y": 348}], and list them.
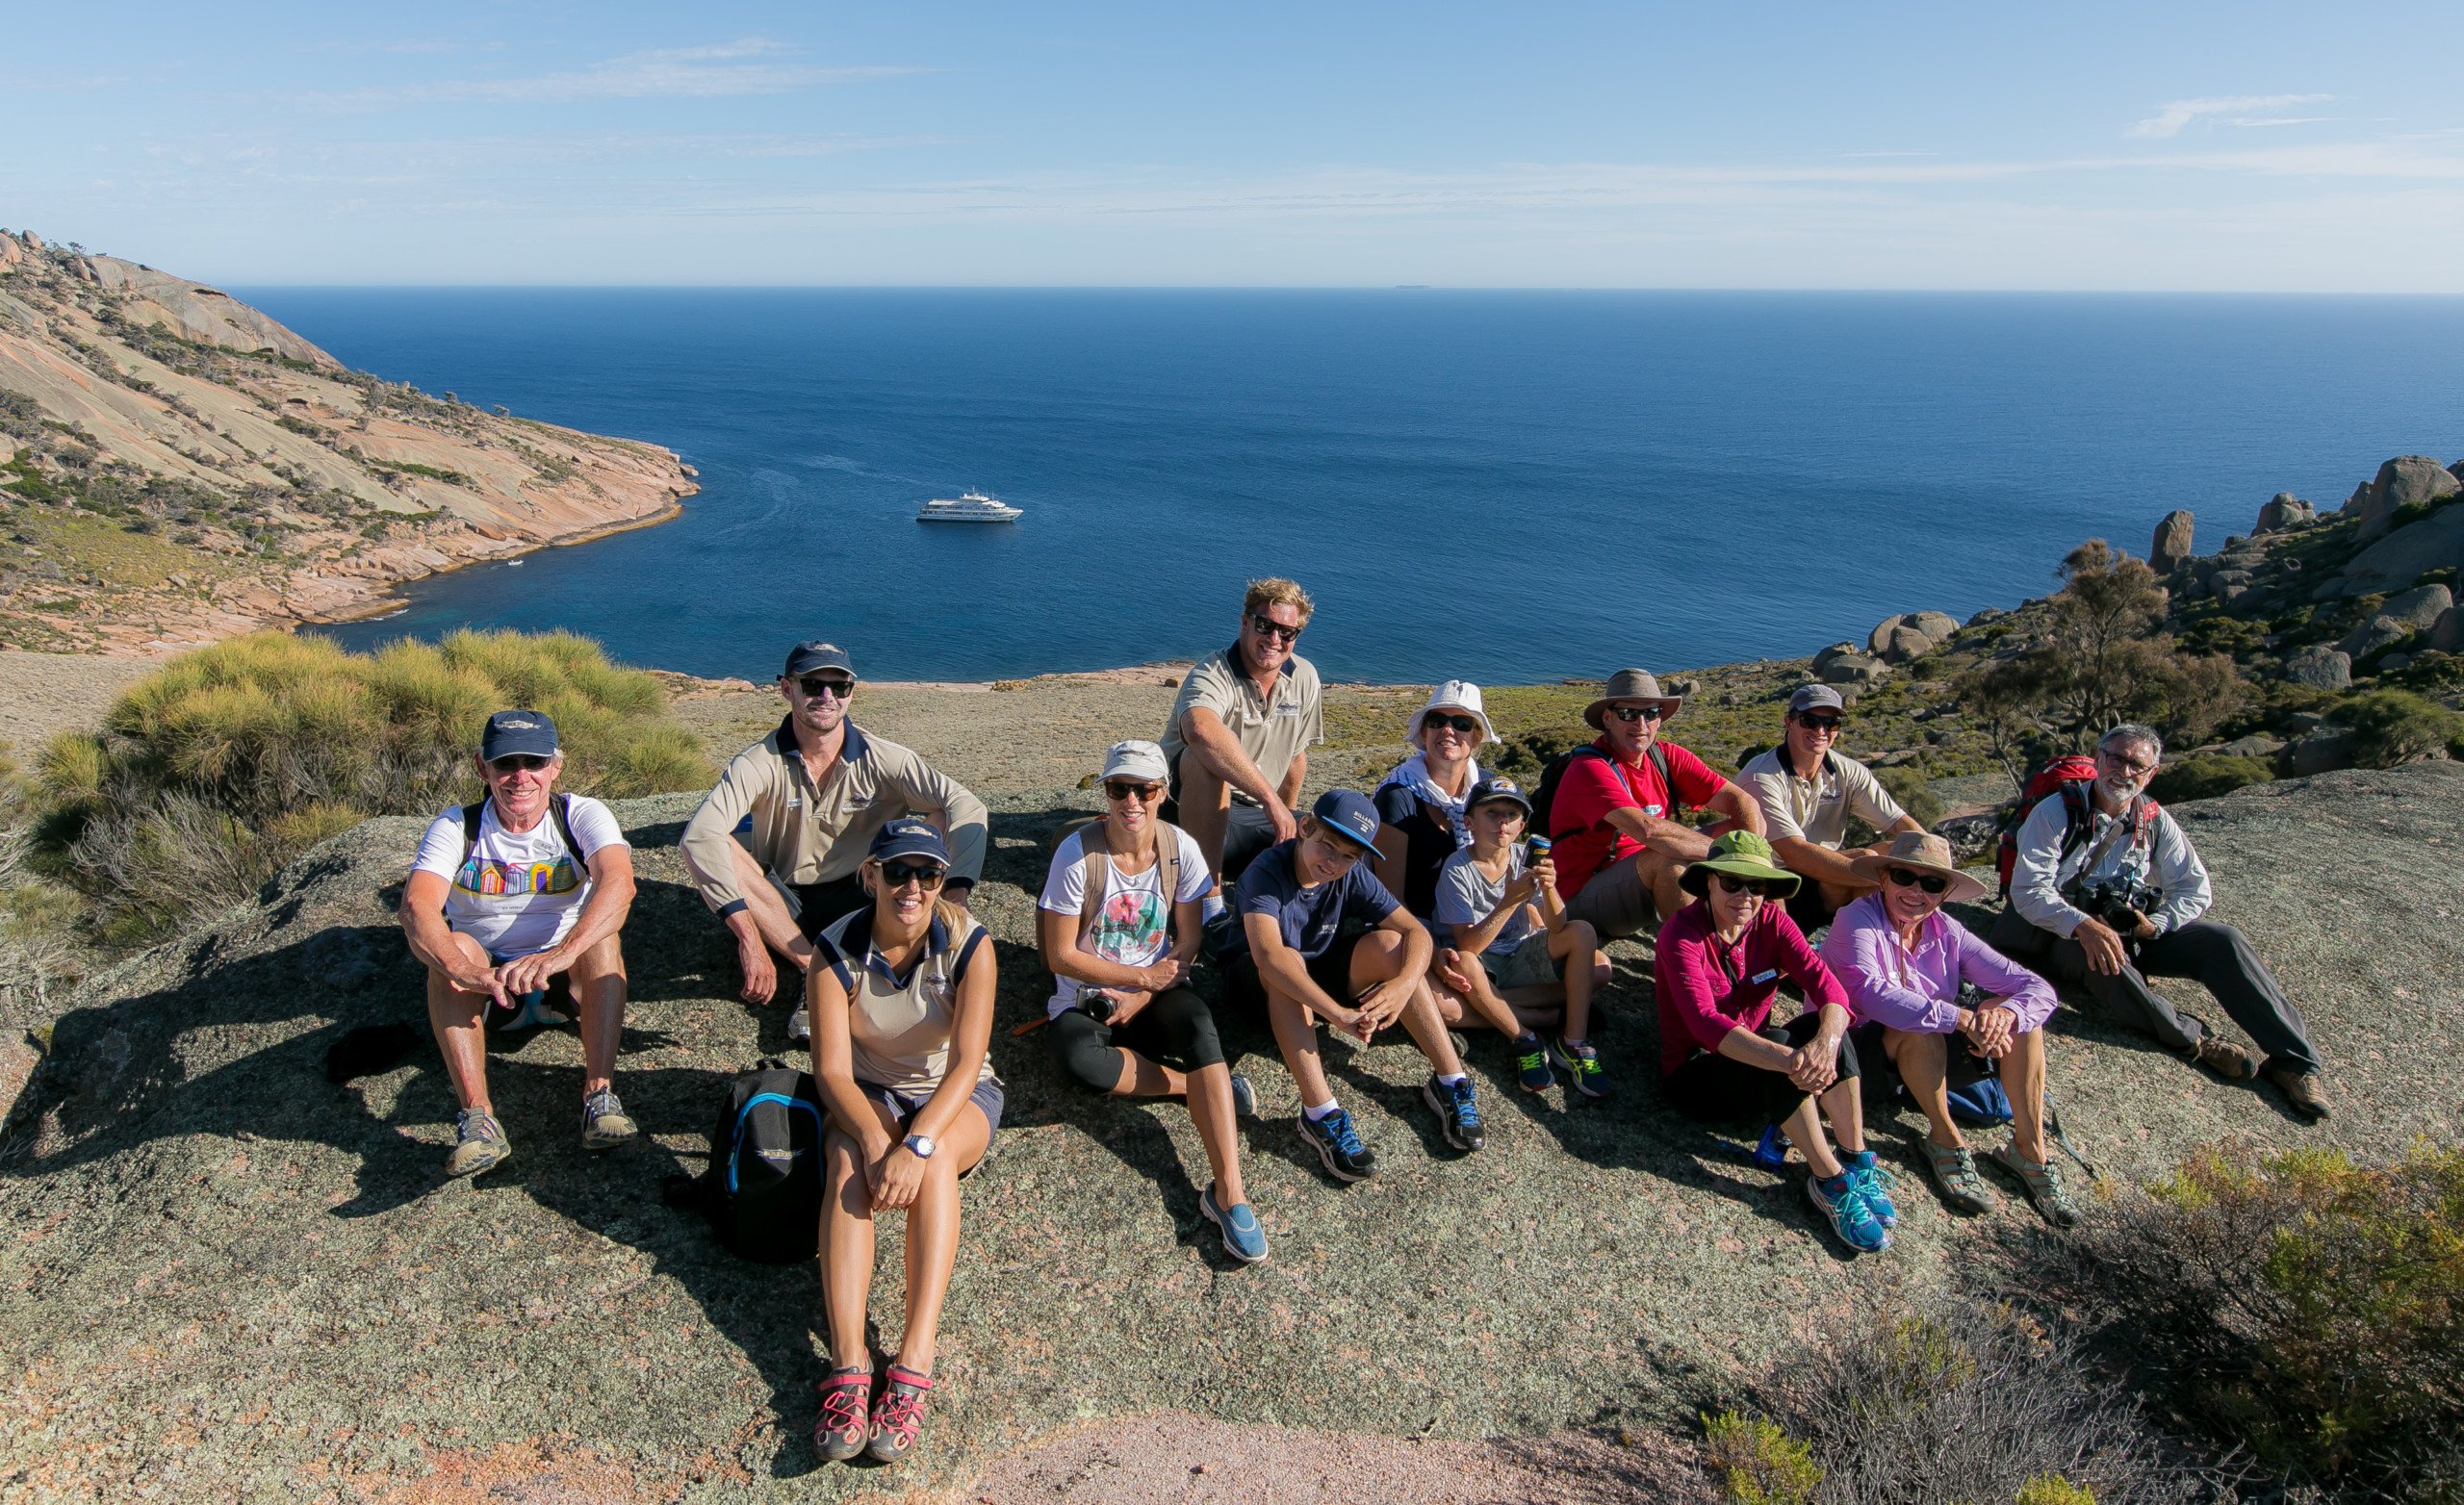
[{"x": 762, "y": 1193}]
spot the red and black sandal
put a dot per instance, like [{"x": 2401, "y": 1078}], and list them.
[
  {"x": 842, "y": 1429},
  {"x": 898, "y": 1413}
]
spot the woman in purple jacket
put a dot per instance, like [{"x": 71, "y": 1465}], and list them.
[{"x": 1903, "y": 962}]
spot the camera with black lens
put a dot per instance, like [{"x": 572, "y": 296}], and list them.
[
  {"x": 1097, "y": 1005},
  {"x": 2121, "y": 905}
]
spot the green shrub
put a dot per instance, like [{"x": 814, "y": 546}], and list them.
[
  {"x": 212, "y": 773},
  {"x": 1915, "y": 794},
  {"x": 2390, "y": 726},
  {"x": 2206, "y": 775},
  {"x": 2052, "y": 1489},
  {"x": 2305, "y": 1308},
  {"x": 1759, "y": 1464}
]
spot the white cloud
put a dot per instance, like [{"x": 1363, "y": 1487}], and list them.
[
  {"x": 2170, "y": 120},
  {"x": 724, "y": 71}
]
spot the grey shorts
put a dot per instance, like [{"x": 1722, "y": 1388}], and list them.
[
  {"x": 1615, "y": 902},
  {"x": 1528, "y": 966},
  {"x": 903, "y": 1106}
]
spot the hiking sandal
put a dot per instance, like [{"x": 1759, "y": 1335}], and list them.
[
  {"x": 843, "y": 1427},
  {"x": 1955, "y": 1172},
  {"x": 2043, "y": 1183},
  {"x": 898, "y": 1413}
]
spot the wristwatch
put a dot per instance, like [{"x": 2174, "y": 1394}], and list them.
[{"x": 922, "y": 1145}]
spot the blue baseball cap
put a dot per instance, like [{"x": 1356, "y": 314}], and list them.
[
  {"x": 1498, "y": 788},
  {"x": 518, "y": 731},
  {"x": 909, "y": 836},
  {"x": 813, "y": 657},
  {"x": 1349, "y": 814}
]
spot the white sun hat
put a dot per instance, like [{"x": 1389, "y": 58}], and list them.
[{"x": 1458, "y": 695}]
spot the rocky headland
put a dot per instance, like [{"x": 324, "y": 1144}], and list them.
[{"x": 176, "y": 467}]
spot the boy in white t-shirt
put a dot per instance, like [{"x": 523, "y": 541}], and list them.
[
  {"x": 533, "y": 899},
  {"x": 1124, "y": 1020},
  {"x": 1535, "y": 964}
]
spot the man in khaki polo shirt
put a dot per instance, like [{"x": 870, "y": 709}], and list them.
[
  {"x": 1808, "y": 793},
  {"x": 776, "y": 844},
  {"x": 1238, "y": 741}
]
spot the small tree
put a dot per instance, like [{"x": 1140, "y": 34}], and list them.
[{"x": 2100, "y": 661}]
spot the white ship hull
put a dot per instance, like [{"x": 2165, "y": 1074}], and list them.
[{"x": 971, "y": 507}]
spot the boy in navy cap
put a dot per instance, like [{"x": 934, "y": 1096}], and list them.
[
  {"x": 1327, "y": 940},
  {"x": 514, "y": 904}
]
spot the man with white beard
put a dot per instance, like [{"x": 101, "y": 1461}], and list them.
[{"x": 2106, "y": 892}]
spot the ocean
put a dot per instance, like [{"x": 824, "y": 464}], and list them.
[{"x": 1506, "y": 487}]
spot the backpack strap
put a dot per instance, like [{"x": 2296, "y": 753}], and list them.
[
  {"x": 1094, "y": 869},
  {"x": 471, "y": 816}
]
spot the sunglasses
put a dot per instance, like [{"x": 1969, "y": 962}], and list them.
[
  {"x": 816, "y": 686},
  {"x": 1147, "y": 793},
  {"x": 1267, "y": 628},
  {"x": 925, "y": 874},
  {"x": 1819, "y": 722},
  {"x": 520, "y": 762},
  {"x": 1759, "y": 887},
  {"x": 1462, "y": 724},
  {"x": 1931, "y": 882},
  {"x": 1630, "y": 714}
]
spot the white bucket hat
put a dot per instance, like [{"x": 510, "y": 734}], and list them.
[{"x": 1460, "y": 695}]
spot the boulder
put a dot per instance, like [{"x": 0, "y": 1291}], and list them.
[
  {"x": 2371, "y": 636},
  {"x": 1898, "y": 639},
  {"x": 2322, "y": 752},
  {"x": 2284, "y": 513},
  {"x": 2173, "y": 542},
  {"x": 2447, "y": 634},
  {"x": 2319, "y": 667},
  {"x": 1988, "y": 614},
  {"x": 2421, "y": 607},
  {"x": 1972, "y": 837},
  {"x": 1854, "y": 669},
  {"x": 1822, "y": 661},
  {"x": 2257, "y": 744},
  {"x": 2413, "y": 479},
  {"x": 2396, "y": 561},
  {"x": 1905, "y": 646},
  {"x": 1939, "y": 626},
  {"x": 2394, "y": 663}
]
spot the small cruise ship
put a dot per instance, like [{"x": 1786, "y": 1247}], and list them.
[{"x": 971, "y": 507}]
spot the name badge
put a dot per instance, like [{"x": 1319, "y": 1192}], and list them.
[{"x": 1769, "y": 975}]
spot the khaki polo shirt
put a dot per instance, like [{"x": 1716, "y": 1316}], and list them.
[
  {"x": 803, "y": 833},
  {"x": 1817, "y": 809},
  {"x": 1272, "y": 729}
]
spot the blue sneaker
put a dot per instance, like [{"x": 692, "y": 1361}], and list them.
[
  {"x": 1850, "y": 1218},
  {"x": 1245, "y": 1097},
  {"x": 1459, "y": 1117},
  {"x": 1873, "y": 1183},
  {"x": 1772, "y": 1154},
  {"x": 1531, "y": 1065},
  {"x": 1242, "y": 1238},
  {"x": 1338, "y": 1145}
]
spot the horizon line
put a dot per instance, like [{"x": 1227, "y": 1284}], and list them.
[{"x": 1330, "y": 286}]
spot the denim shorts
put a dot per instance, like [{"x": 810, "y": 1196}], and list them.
[{"x": 905, "y": 1105}]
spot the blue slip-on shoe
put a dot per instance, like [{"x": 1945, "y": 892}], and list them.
[
  {"x": 1841, "y": 1202},
  {"x": 1772, "y": 1154},
  {"x": 1873, "y": 1183},
  {"x": 1531, "y": 1065},
  {"x": 1242, "y": 1238},
  {"x": 1582, "y": 1066},
  {"x": 1459, "y": 1117},
  {"x": 1245, "y": 1097},
  {"x": 1338, "y": 1145}
]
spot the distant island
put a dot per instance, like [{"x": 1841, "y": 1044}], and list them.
[{"x": 176, "y": 467}]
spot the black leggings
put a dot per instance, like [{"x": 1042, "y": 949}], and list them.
[
  {"x": 1175, "y": 1029},
  {"x": 1717, "y": 1088}
]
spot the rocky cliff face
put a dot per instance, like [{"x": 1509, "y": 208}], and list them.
[{"x": 180, "y": 467}]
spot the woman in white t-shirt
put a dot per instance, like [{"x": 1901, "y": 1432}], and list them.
[
  {"x": 1124, "y": 1020},
  {"x": 506, "y": 915}
]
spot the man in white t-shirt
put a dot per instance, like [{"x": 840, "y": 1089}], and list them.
[{"x": 511, "y": 902}]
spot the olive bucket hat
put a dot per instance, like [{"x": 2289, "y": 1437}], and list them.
[
  {"x": 1629, "y": 684},
  {"x": 1740, "y": 854}
]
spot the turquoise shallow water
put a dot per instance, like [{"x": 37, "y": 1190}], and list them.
[{"x": 1501, "y": 486}]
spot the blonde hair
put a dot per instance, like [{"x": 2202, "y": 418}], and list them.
[{"x": 1276, "y": 591}]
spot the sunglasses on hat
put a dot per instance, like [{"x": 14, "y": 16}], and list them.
[{"x": 1931, "y": 882}]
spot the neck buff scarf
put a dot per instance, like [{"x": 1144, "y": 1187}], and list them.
[{"x": 1412, "y": 772}]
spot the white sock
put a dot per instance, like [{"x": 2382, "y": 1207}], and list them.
[
  {"x": 1314, "y": 1114},
  {"x": 1448, "y": 1078},
  {"x": 1209, "y": 908}
]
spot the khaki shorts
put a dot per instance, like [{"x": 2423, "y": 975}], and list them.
[
  {"x": 1528, "y": 965},
  {"x": 1615, "y": 902}
]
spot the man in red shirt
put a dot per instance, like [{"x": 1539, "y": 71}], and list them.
[{"x": 1619, "y": 845}]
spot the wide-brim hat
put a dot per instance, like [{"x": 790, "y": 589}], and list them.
[
  {"x": 1629, "y": 685},
  {"x": 1927, "y": 852},
  {"x": 1460, "y": 695},
  {"x": 1740, "y": 854}
]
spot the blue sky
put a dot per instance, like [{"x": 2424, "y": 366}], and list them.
[{"x": 2299, "y": 147}]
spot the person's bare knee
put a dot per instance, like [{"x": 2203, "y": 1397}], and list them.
[{"x": 601, "y": 961}]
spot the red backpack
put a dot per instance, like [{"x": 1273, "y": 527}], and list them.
[{"x": 2067, "y": 775}]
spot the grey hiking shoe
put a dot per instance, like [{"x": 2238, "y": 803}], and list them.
[
  {"x": 479, "y": 1144},
  {"x": 800, "y": 1026},
  {"x": 2043, "y": 1183},
  {"x": 604, "y": 1124},
  {"x": 1955, "y": 1172},
  {"x": 1245, "y": 1097}
]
